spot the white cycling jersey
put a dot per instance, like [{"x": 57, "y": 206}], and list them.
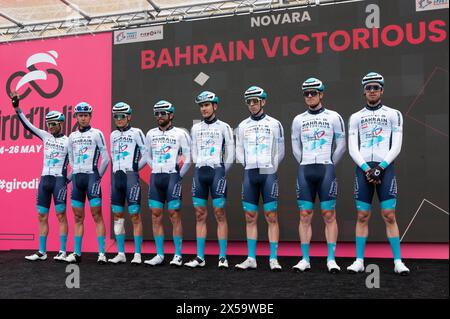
[
  {"x": 128, "y": 149},
  {"x": 85, "y": 147},
  {"x": 260, "y": 143},
  {"x": 212, "y": 144},
  {"x": 55, "y": 148},
  {"x": 315, "y": 134},
  {"x": 166, "y": 147},
  {"x": 375, "y": 135}
]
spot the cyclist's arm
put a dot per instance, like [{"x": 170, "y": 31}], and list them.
[
  {"x": 396, "y": 141},
  {"x": 30, "y": 127},
  {"x": 149, "y": 150},
  {"x": 339, "y": 138},
  {"x": 296, "y": 140},
  {"x": 103, "y": 153},
  {"x": 279, "y": 140},
  {"x": 140, "y": 141},
  {"x": 70, "y": 152},
  {"x": 353, "y": 144},
  {"x": 185, "y": 143},
  {"x": 193, "y": 146},
  {"x": 229, "y": 148},
  {"x": 240, "y": 155}
]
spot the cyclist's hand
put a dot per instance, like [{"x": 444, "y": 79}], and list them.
[{"x": 15, "y": 99}]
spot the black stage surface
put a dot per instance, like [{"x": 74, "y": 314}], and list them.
[{"x": 47, "y": 279}]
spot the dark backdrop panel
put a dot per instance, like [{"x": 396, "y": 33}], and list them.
[{"x": 416, "y": 84}]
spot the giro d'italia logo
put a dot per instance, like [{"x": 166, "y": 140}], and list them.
[{"x": 31, "y": 78}]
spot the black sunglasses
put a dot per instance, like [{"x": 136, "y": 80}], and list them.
[
  {"x": 160, "y": 113},
  {"x": 119, "y": 116},
  {"x": 308, "y": 93},
  {"x": 372, "y": 87}
]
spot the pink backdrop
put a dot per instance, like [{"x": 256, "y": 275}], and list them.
[{"x": 84, "y": 63}]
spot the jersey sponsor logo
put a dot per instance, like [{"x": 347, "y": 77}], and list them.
[
  {"x": 163, "y": 154},
  {"x": 333, "y": 188},
  {"x": 274, "y": 191},
  {"x": 135, "y": 192},
  {"x": 315, "y": 123},
  {"x": 82, "y": 156},
  {"x": 177, "y": 190},
  {"x": 356, "y": 188},
  {"x": 377, "y": 130},
  {"x": 393, "y": 187},
  {"x": 34, "y": 75},
  {"x": 316, "y": 140},
  {"x": 122, "y": 152},
  {"x": 53, "y": 159},
  {"x": 221, "y": 186},
  {"x": 319, "y": 134}
]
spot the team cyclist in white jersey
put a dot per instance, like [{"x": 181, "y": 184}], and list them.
[
  {"x": 375, "y": 140},
  {"x": 213, "y": 154},
  {"x": 128, "y": 155},
  {"x": 318, "y": 143},
  {"x": 54, "y": 178},
  {"x": 86, "y": 146},
  {"x": 166, "y": 145},
  {"x": 260, "y": 149}
]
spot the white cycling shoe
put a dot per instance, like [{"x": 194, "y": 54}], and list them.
[
  {"x": 38, "y": 256},
  {"x": 400, "y": 268},
  {"x": 120, "y": 258},
  {"x": 248, "y": 264},
  {"x": 333, "y": 268},
  {"x": 137, "y": 259},
  {"x": 155, "y": 261},
  {"x": 196, "y": 262},
  {"x": 356, "y": 267},
  {"x": 303, "y": 265}
]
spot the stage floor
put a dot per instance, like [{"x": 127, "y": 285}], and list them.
[{"x": 22, "y": 279}]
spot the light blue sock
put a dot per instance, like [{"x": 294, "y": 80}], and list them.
[
  {"x": 223, "y": 248},
  {"x": 201, "y": 247},
  {"x": 360, "y": 245},
  {"x": 251, "y": 245},
  {"x": 78, "y": 241},
  {"x": 101, "y": 244},
  {"x": 138, "y": 244},
  {"x": 305, "y": 252},
  {"x": 331, "y": 250},
  {"x": 43, "y": 243},
  {"x": 159, "y": 241},
  {"x": 273, "y": 250},
  {"x": 120, "y": 241},
  {"x": 395, "y": 246},
  {"x": 62, "y": 242},
  {"x": 178, "y": 241}
]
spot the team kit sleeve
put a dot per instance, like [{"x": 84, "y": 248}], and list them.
[
  {"x": 279, "y": 141},
  {"x": 229, "y": 147},
  {"x": 194, "y": 145},
  {"x": 111, "y": 148},
  {"x": 353, "y": 143},
  {"x": 141, "y": 143},
  {"x": 185, "y": 145},
  {"x": 296, "y": 139},
  {"x": 240, "y": 155},
  {"x": 339, "y": 138},
  {"x": 70, "y": 152},
  {"x": 396, "y": 139},
  {"x": 41, "y": 134},
  {"x": 148, "y": 143},
  {"x": 100, "y": 140}
]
